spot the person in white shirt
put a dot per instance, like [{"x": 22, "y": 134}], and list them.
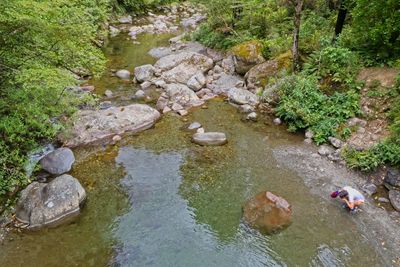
[{"x": 351, "y": 197}]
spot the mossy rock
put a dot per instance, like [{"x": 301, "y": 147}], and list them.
[
  {"x": 285, "y": 60},
  {"x": 247, "y": 54},
  {"x": 261, "y": 74}
]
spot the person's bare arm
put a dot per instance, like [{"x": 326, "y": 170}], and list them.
[{"x": 349, "y": 204}]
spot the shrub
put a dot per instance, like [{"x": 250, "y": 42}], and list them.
[
  {"x": 334, "y": 63},
  {"x": 213, "y": 39},
  {"x": 303, "y": 105}
]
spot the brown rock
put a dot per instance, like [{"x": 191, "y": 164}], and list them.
[{"x": 267, "y": 212}]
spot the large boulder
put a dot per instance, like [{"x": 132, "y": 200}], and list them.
[
  {"x": 197, "y": 81},
  {"x": 394, "y": 196},
  {"x": 258, "y": 75},
  {"x": 144, "y": 73},
  {"x": 392, "y": 178},
  {"x": 50, "y": 204},
  {"x": 267, "y": 212},
  {"x": 171, "y": 61},
  {"x": 226, "y": 82},
  {"x": 242, "y": 97},
  {"x": 96, "y": 125},
  {"x": 59, "y": 161},
  {"x": 182, "y": 95},
  {"x": 210, "y": 139},
  {"x": 247, "y": 55},
  {"x": 159, "y": 52}
]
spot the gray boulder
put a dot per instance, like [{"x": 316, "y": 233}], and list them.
[
  {"x": 144, "y": 73},
  {"x": 210, "y": 139},
  {"x": 171, "y": 61},
  {"x": 97, "y": 125},
  {"x": 49, "y": 204},
  {"x": 123, "y": 74},
  {"x": 252, "y": 116},
  {"x": 335, "y": 142},
  {"x": 181, "y": 94},
  {"x": 394, "y": 196},
  {"x": 194, "y": 126},
  {"x": 325, "y": 150},
  {"x": 226, "y": 82},
  {"x": 59, "y": 161},
  {"x": 242, "y": 97},
  {"x": 197, "y": 81},
  {"x": 392, "y": 178},
  {"x": 159, "y": 52},
  {"x": 370, "y": 189},
  {"x": 125, "y": 19}
]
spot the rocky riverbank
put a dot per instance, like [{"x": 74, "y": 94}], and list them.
[{"x": 185, "y": 76}]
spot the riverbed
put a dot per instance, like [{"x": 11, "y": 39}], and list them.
[{"x": 157, "y": 199}]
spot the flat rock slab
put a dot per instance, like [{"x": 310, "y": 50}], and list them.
[
  {"x": 210, "y": 139},
  {"x": 49, "y": 204},
  {"x": 96, "y": 125},
  {"x": 59, "y": 161}
]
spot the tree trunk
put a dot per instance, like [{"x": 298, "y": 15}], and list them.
[
  {"x": 296, "y": 32},
  {"x": 340, "y": 19}
]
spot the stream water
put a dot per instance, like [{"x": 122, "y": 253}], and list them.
[{"x": 156, "y": 199}]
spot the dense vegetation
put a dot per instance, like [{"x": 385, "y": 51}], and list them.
[
  {"x": 46, "y": 46},
  {"x": 324, "y": 93}
]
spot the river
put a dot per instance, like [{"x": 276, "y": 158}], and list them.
[{"x": 157, "y": 199}]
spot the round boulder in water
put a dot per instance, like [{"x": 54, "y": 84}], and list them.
[
  {"x": 43, "y": 204},
  {"x": 123, "y": 74},
  {"x": 210, "y": 139},
  {"x": 267, "y": 212},
  {"x": 59, "y": 161}
]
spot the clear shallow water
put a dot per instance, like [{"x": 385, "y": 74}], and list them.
[{"x": 159, "y": 200}]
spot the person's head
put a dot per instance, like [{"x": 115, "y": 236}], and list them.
[{"x": 343, "y": 194}]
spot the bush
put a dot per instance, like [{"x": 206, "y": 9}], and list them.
[
  {"x": 335, "y": 64},
  {"x": 385, "y": 152},
  {"x": 375, "y": 29},
  {"x": 303, "y": 105},
  {"x": 213, "y": 39},
  {"x": 43, "y": 43}
]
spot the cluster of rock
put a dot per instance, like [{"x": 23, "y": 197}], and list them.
[
  {"x": 190, "y": 74},
  {"x": 49, "y": 204},
  {"x": 189, "y": 17}
]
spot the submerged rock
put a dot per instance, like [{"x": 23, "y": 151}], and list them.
[
  {"x": 123, "y": 74},
  {"x": 59, "y": 161},
  {"x": 96, "y": 125},
  {"x": 267, "y": 212},
  {"x": 210, "y": 139},
  {"x": 194, "y": 125},
  {"x": 43, "y": 205}
]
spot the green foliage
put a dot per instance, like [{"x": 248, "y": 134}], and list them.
[
  {"x": 334, "y": 63},
  {"x": 385, "y": 152},
  {"x": 210, "y": 38},
  {"x": 42, "y": 45},
  {"x": 303, "y": 105},
  {"x": 375, "y": 29}
]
